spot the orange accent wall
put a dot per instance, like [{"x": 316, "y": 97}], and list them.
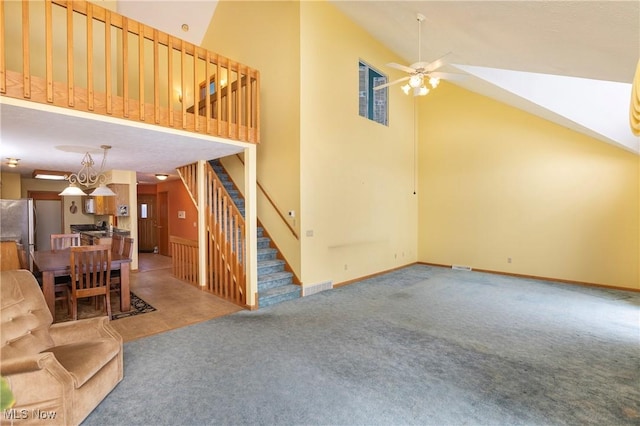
[
  {"x": 147, "y": 189},
  {"x": 179, "y": 200}
]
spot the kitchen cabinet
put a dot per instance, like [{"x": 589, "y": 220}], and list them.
[
  {"x": 121, "y": 198},
  {"x": 105, "y": 205},
  {"x": 108, "y": 205}
]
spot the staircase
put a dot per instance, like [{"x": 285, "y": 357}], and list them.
[{"x": 275, "y": 285}]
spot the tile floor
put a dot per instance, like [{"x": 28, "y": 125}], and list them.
[{"x": 177, "y": 303}]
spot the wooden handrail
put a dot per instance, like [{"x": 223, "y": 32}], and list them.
[
  {"x": 147, "y": 90},
  {"x": 275, "y": 207}
]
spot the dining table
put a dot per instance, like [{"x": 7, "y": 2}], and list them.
[{"x": 57, "y": 263}]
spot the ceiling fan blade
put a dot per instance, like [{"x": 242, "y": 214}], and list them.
[
  {"x": 448, "y": 76},
  {"x": 438, "y": 63},
  {"x": 382, "y": 86},
  {"x": 401, "y": 67}
]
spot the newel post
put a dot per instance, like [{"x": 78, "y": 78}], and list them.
[{"x": 202, "y": 223}]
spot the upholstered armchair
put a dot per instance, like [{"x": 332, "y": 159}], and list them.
[{"x": 62, "y": 370}]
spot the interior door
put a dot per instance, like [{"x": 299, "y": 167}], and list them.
[
  {"x": 147, "y": 239},
  {"x": 163, "y": 223}
]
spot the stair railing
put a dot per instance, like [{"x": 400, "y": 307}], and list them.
[
  {"x": 226, "y": 274},
  {"x": 226, "y": 252},
  {"x": 184, "y": 259}
]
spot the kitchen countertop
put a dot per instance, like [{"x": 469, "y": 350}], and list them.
[{"x": 106, "y": 233}]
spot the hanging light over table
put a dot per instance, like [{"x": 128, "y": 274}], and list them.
[{"x": 89, "y": 176}]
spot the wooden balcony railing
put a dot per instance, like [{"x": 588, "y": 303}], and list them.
[{"x": 77, "y": 55}]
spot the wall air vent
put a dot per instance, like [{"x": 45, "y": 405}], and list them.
[{"x": 461, "y": 267}]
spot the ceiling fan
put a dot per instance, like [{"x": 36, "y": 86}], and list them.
[{"x": 420, "y": 72}]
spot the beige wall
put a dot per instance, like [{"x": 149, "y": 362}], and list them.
[
  {"x": 497, "y": 183},
  {"x": 10, "y": 188},
  {"x": 356, "y": 176},
  {"x": 265, "y": 36}
]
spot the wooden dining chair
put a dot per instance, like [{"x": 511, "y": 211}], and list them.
[
  {"x": 64, "y": 241},
  {"x": 117, "y": 242},
  {"x": 90, "y": 274},
  {"x": 10, "y": 256},
  {"x": 127, "y": 250}
]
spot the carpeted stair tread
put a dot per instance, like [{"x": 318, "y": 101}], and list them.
[
  {"x": 267, "y": 253},
  {"x": 273, "y": 280},
  {"x": 270, "y": 266},
  {"x": 278, "y": 294}
]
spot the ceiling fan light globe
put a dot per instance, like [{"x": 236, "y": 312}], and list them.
[
  {"x": 415, "y": 81},
  {"x": 406, "y": 88},
  {"x": 420, "y": 91},
  {"x": 433, "y": 81}
]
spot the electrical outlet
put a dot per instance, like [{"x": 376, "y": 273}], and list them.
[{"x": 508, "y": 260}]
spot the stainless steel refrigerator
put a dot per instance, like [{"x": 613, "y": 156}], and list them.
[{"x": 17, "y": 222}]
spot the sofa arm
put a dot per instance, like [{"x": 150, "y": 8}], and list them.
[
  {"x": 64, "y": 333},
  {"x": 39, "y": 383},
  {"x": 26, "y": 364}
]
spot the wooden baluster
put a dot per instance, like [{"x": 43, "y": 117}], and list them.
[
  {"x": 256, "y": 137},
  {"x": 182, "y": 84},
  {"x": 170, "y": 79},
  {"x": 26, "y": 70},
  {"x": 90, "y": 100},
  {"x": 70, "y": 70},
  {"x": 125, "y": 67},
  {"x": 156, "y": 78},
  {"x": 218, "y": 94},
  {"x": 48, "y": 40},
  {"x": 207, "y": 91},
  {"x": 228, "y": 134},
  {"x": 238, "y": 99},
  {"x": 3, "y": 50},
  {"x": 107, "y": 60},
  {"x": 141, "y": 70},
  {"x": 196, "y": 91}
]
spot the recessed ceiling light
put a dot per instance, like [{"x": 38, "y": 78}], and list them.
[{"x": 185, "y": 27}]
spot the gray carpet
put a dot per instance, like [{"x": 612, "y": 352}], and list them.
[{"x": 421, "y": 345}]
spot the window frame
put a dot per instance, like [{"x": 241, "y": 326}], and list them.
[{"x": 369, "y": 96}]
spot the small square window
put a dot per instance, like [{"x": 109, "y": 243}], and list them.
[{"x": 372, "y": 104}]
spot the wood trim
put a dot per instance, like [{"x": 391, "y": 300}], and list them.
[
  {"x": 44, "y": 195},
  {"x": 536, "y": 277}
]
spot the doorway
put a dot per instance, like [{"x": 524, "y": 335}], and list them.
[{"x": 48, "y": 217}]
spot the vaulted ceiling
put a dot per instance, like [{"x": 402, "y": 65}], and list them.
[{"x": 571, "y": 62}]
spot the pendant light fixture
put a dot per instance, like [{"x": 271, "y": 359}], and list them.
[{"x": 88, "y": 176}]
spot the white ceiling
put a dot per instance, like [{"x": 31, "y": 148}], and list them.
[{"x": 597, "y": 40}]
